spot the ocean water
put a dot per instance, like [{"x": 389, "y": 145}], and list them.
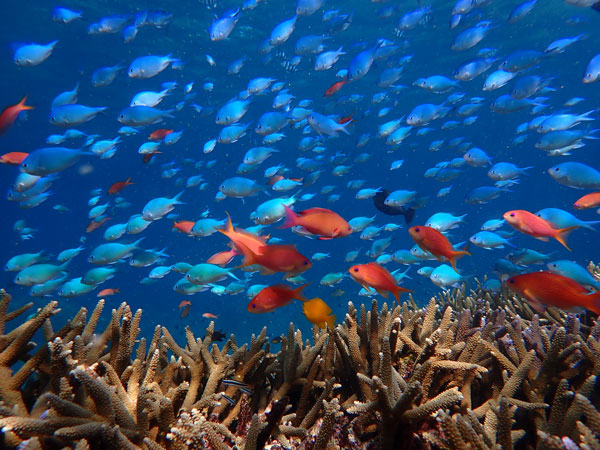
[{"x": 78, "y": 54}]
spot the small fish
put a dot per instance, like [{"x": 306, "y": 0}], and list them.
[{"x": 319, "y": 313}]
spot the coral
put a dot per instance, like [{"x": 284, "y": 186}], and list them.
[{"x": 469, "y": 370}]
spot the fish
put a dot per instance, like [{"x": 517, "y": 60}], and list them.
[
  {"x": 374, "y": 276},
  {"x": 10, "y": 114},
  {"x": 273, "y": 297},
  {"x": 431, "y": 240},
  {"x": 535, "y": 226},
  {"x": 118, "y": 186},
  {"x": 591, "y": 200},
  {"x": 318, "y": 312},
  {"x": 543, "y": 289},
  {"x": 320, "y": 222}
]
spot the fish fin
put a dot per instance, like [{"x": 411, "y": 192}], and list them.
[
  {"x": 324, "y": 238},
  {"x": 297, "y": 292},
  {"x": 291, "y": 218},
  {"x": 542, "y": 238},
  {"x": 23, "y": 106},
  {"x": 562, "y": 234},
  {"x": 233, "y": 275},
  {"x": 383, "y": 293},
  {"x": 367, "y": 287}
]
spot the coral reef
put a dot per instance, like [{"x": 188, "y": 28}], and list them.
[{"x": 471, "y": 370}]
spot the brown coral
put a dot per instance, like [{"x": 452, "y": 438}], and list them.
[{"x": 467, "y": 371}]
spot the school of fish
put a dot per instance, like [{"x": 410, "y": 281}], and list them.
[{"x": 350, "y": 140}]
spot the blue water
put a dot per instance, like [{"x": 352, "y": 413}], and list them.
[{"x": 78, "y": 54}]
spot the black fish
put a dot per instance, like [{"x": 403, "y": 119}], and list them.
[
  {"x": 217, "y": 336},
  {"x": 378, "y": 201}
]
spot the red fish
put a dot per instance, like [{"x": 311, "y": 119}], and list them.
[
  {"x": 184, "y": 303},
  {"x": 346, "y": 119},
  {"x": 372, "y": 275},
  {"x": 210, "y": 315},
  {"x": 222, "y": 258},
  {"x": 547, "y": 288},
  {"x": 119, "y": 186},
  {"x": 107, "y": 292},
  {"x": 535, "y": 226},
  {"x": 318, "y": 221},
  {"x": 185, "y": 311},
  {"x": 432, "y": 241},
  {"x": 591, "y": 200},
  {"x": 335, "y": 87},
  {"x": 10, "y": 114},
  {"x": 13, "y": 158},
  {"x": 95, "y": 224},
  {"x": 183, "y": 226},
  {"x": 273, "y": 297},
  {"x": 159, "y": 134},
  {"x": 276, "y": 258}
]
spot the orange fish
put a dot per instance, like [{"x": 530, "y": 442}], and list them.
[
  {"x": 591, "y": 200},
  {"x": 183, "y": 226},
  {"x": 318, "y": 221},
  {"x": 94, "y": 225},
  {"x": 372, "y": 275},
  {"x": 239, "y": 236},
  {"x": 276, "y": 258},
  {"x": 434, "y": 242},
  {"x": 10, "y": 114},
  {"x": 210, "y": 315},
  {"x": 535, "y": 226},
  {"x": 159, "y": 134},
  {"x": 547, "y": 288},
  {"x": 107, "y": 292},
  {"x": 273, "y": 297},
  {"x": 119, "y": 186},
  {"x": 13, "y": 158},
  {"x": 185, "y": 311},
  {"x": 346, "y": 119},
  {"x": 222, "y": 258},
  {"x": 184, "y": 303},
  {"x": 335, "y": 87}
]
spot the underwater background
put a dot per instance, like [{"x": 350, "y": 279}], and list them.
[{"x": 78, "y": 54}]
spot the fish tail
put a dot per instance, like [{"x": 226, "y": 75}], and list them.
[
  {"x": 23, "y": 106},
  {"x": 128, "y": 181},
  {"x": 590, "y": 224},
  {"x": 457, "y": 254},
  {"x": 331, "y": 321},
  {"x": 228, "y": 226},
  {"x": 297, "y": 292},
  {"x": 291, "y": 218},
  {"x": 562, "y": 234},
  {"x": 594, "y": 303}
]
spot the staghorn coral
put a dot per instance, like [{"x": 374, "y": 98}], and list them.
[{"x": 470, "y": 370}]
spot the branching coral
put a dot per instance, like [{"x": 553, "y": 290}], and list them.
[{"x": 470, "y": 370}]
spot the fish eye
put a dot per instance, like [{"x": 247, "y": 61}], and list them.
[
  {"x": 417, "y": 230},
  {"x": 556, "y": 169},
  {"x": 305, "y": 262},
  {"x": 253, "y": 306},
  {"x": 512, "y": 214},
  {"x": 356, "y": 269},
  {"x": 92, "y": 257},
  {"x": 511, "y": 281}
]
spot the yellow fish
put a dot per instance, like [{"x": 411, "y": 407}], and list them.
[{"x": 318, "y": 312}]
